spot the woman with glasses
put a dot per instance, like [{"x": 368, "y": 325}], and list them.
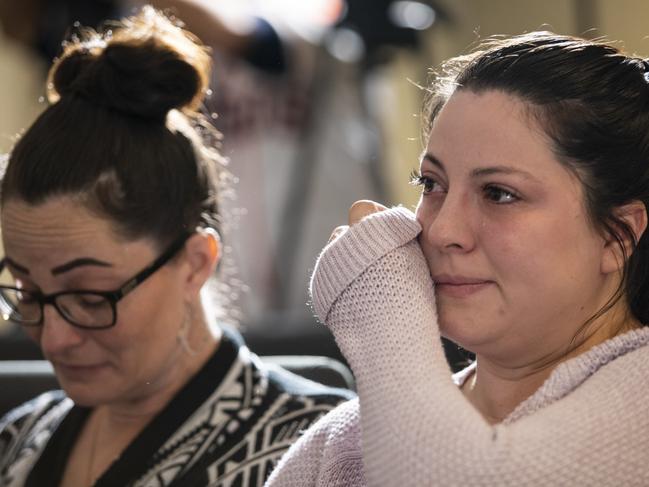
[
  {"x": 110, "y": 227},
  {"x": 528, "y": 247}
]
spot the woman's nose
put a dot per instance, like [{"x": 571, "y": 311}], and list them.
[
  {"x": 448, "y": 228},
  {"x": 57, "y": 335}
]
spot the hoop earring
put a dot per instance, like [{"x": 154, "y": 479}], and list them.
[{"x": 183, "y": 333}]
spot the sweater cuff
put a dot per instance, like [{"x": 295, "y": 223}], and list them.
[{"x": 349, "y": 255}]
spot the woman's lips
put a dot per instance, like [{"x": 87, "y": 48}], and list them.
[
  {"x": 459, "y": 287},
  {"x": 78, "y": 372}
]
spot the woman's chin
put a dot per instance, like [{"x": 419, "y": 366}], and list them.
[
  {"x": 462, "y": 334},
  {"x": 86, "y": 395},
  {"x": 84, "y": 399}
]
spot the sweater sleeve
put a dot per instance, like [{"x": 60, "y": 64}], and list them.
[
  {"x": 372, "y": 287},
  {"x": 327, "y": 455}
]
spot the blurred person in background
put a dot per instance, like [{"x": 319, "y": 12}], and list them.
[
  {"x": 31, "y": 32},
  {"x": 111, "y": 222},
  {"x": 291, "y": 93},
  {"x": 22, "y": 72}
]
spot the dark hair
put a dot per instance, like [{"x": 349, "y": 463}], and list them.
[
  {"x": 123, "y": 131},
  {"x": 593, "y": 103}
]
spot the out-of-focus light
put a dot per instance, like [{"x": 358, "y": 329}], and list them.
[
  {"x": 411, "y": 15},
  {"x": 346, "y": 45},
  {"x": 318, "y": 12},
  {"x": 309, "y": 19}
]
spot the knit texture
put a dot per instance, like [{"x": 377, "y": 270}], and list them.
[
  {"x": 328, "y": 454},
  {"x": 587, "y": 424}
]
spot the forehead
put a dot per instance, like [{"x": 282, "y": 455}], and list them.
[
  {"x": 491, "y": 128},
  {"x": 60, "y": 224}
]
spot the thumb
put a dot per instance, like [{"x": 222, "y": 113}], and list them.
[{"x": 362, "y": 208}]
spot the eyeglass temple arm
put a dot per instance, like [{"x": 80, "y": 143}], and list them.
[{"x": 145, "y": 273}]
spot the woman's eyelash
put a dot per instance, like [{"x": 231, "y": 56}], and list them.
[
  {"x": 428, "y": 184},
  {"x": 415, "y": 178},
  {"x": 496, "y": 193}
]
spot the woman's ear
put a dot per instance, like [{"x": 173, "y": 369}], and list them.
[
  {"x": 202, "y": 254},
  {"x": 634, "y": 214}
]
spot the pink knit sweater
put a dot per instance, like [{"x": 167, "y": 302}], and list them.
[{"x": 588, "y": 424}]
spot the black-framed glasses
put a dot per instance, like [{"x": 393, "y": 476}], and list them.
[{"x": 83, "y": 308}]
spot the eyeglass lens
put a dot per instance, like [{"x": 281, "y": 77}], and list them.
[{"x": 85, "y": 309}]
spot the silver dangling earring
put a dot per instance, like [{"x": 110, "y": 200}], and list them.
[{"x": 183, "y": 333}]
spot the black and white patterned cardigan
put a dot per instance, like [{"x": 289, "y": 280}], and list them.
[{"x": 227, "y": 427}]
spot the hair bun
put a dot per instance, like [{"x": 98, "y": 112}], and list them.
[
  {"x": 66, "y": 75},
  {"x": 144, "y": 66}
]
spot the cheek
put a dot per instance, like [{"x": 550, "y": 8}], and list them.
[
  {"x": 545, "y": 255},
  {"x": 426, "y": 212},
  {"x": 149, "y": 322},
  {"x": 34, "y": 332},
  {"x": 420, "y": 211}
]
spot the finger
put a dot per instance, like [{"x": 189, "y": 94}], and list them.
[
  {"x": 338, "y": 231},
  {"x": 363, "y": 208}
]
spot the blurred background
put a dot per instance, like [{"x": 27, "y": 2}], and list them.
[{"x": 318, "y": 104}]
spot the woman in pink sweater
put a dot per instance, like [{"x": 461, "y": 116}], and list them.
[{"x": 529, "y": 248}]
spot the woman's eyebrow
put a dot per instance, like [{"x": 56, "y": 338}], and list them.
[
  {"x": 482, "y": 171},
  {"x": 68, "y": 266},
  {"x": 433, "y": 160},
  {"x": 488, "y": 171},
  {"x": 83, "y": 261},
  {"x": 20, "y": 268}
]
